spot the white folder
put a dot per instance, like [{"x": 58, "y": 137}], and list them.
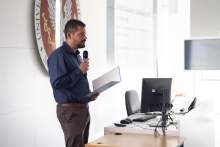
[{"x": 105, "y": 81}]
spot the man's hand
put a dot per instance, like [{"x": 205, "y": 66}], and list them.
[
  {"x": 94, "y": 97},
  {"x": 84, "y": 66}
]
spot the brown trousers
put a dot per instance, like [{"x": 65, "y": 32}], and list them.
[{"x": 75, "y": 125}]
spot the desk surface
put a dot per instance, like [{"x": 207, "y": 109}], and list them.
[
  {"x": 136, "y": 140},
  {"x": 143, "y": 127}
]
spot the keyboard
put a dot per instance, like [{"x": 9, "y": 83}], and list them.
[{"x": 145, "y": 118}]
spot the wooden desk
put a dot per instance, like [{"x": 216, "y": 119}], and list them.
[
  {"x": 137, "y": 140},
  {"x": 198, "y": 126}
]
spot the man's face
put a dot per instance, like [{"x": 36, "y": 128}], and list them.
[{"x": 79, "y": 38}]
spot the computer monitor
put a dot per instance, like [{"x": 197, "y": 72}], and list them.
[
  {"x": 155, "y": 93},
  {"x": 202, "y": 54}
]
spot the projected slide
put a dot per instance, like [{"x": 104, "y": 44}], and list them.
[{"x": 130, "y": 33}]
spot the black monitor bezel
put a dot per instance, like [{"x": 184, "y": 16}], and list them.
[{"x": 152, "y": 101}]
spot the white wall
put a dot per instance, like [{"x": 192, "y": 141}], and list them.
[
  {"x": 27, "y": 107},
  {"x": 173, "y": 28},
  {"x": 204, "y": 23},
  {"x": 193, "y": 19}
]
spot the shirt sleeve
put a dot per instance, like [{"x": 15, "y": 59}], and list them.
[
  {"x": 85, "y": 100},
  {"x": 59, "y": 76}
]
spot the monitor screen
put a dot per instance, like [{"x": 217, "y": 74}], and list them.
[
  {"x": 202, "y": 54},
  {"x": 153, "y": 90}
]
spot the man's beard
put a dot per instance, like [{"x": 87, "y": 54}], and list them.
[{"x": 79, "y": 44}]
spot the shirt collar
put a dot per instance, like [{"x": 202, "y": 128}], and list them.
[{"x": 68, "y": 49}]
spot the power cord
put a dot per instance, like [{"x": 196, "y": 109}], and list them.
[
  {"x": 159, "y": 124},
  {"x": 144, "y": 128},
  {"x": 172, "y": 120},
  {"x": 162, "y": 124}
]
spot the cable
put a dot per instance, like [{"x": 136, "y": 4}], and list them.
[
  {"x": 163, "y": 127},
  {"x": 155, "y": 131},
  {"x": 142, "y": 127},
  {"x": 172, "y": 120},
  {"x": 162, "y": 124},
  {"x": 158, "y": 125}
]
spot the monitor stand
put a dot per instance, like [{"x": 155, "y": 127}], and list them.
[{"x": 163, "y": 122}]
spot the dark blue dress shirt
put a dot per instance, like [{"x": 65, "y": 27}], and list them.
[{"x": 67, "y": 80}]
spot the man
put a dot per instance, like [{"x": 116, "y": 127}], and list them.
[{"x": 68, "y": 77}]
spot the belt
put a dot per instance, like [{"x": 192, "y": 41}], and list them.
[{"x": 74, "y": 105}]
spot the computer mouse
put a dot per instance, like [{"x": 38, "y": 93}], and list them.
[
  {"x": 128, "y": 119},
  {"x": 125, "y": 121},
  {"x": 182, "y": 109}
]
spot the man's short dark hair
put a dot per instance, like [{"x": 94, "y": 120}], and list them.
[{"x": 72, "y": 26}]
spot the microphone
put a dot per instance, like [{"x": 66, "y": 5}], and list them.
[{"x": 85, "y": 56}]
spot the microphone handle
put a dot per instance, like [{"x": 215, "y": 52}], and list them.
[{"x": 85, "y": 75}]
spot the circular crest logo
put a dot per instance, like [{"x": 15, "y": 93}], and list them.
[{"x": 45, "y": 23}]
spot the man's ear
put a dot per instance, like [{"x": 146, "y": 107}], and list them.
[{"x": 69, "y": 35}]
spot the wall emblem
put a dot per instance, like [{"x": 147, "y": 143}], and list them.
[{"x": 45, "y": 23}]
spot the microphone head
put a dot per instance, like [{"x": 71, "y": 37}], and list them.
[{"x": 85, "y": 54}]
